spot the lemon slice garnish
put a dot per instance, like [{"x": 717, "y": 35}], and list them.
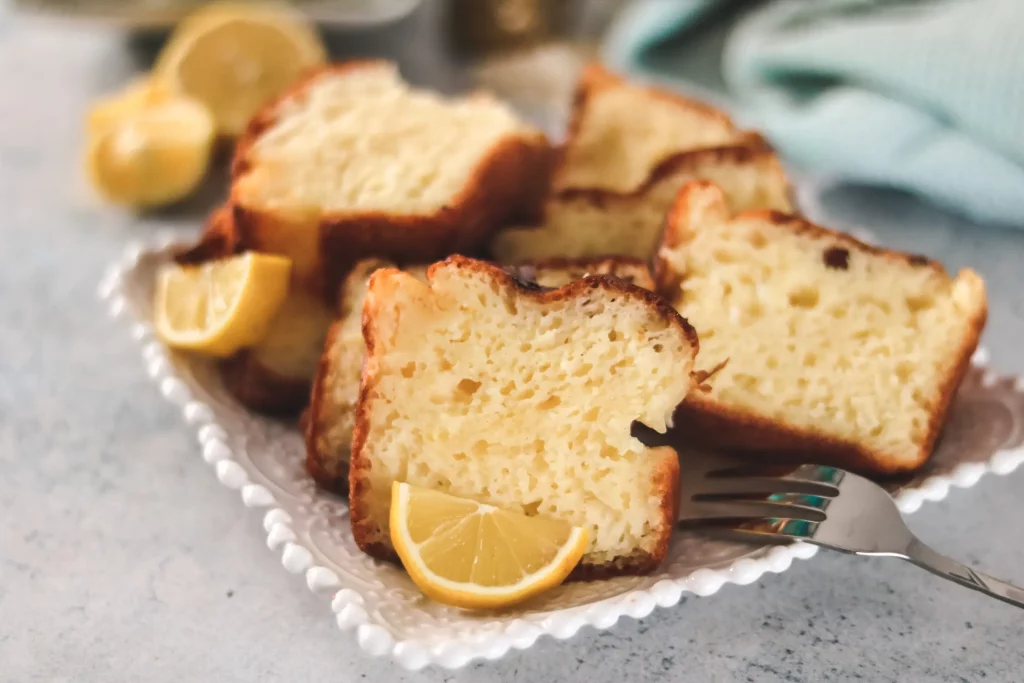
[
  {"x": 463, "y": 553},
  {"x": 235, "y": 58},
  {"x": 221, "y": 306}
]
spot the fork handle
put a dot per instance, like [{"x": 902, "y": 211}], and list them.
[{"x": 923, "y": 556}]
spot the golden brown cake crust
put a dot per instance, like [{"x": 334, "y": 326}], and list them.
[
  {"x": 703, "y": 419},
  {"x": 364, "y": 527},
  {"x": 633, "y": 270},
  {"x": 219, "y": 239},
  {"x": 508, "y": 184},
  {"x": 321, "y": 463}
]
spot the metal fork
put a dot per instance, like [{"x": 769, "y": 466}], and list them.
[{"x": 825, "y": 506}]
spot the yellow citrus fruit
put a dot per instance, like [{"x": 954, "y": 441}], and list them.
[
  {"x": 137, "y": 96},
  {"x": 235, "y": 57},
  {"x": 150, "y": 155},
  {"x": 219, "y": 307},
  {"x": 463, "y": 553}
]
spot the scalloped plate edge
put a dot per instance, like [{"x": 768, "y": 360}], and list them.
[{"x": 348, "y": 605}]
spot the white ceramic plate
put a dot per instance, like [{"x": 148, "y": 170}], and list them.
[{"x": 263, "y": 460}]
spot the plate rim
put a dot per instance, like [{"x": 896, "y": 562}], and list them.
[{"x": 347, "y": 603}]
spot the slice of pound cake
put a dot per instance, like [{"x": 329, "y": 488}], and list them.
[
  {"x": 619, "y": 131},
  {"x": 354, "y": 163},
  {"x": 834, "y": 350},
  {"x": 486, "y": 386},
  {"x": 590, "y": 222},
  {"x": 331, "y": 417}
]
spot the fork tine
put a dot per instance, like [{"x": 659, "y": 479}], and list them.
[
  {"x": 721, "y": 486},
  {"x": 749, "y": 509},
  {"x": 783, "y": 532}
]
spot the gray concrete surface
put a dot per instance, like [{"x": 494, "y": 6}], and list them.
[{"x": 123, "y": 559}]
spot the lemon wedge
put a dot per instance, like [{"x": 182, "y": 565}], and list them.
[
  {"x": 142, "y": 154},
  {"x": 467, "y": 554},
  {"x": 221, "y": 306},
  {"x": 235, "y": 58}
]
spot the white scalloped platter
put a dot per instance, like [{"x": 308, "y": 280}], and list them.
[{"x": 263, "y": 460}]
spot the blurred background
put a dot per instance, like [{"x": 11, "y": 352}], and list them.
[{"x": 922, "y": 97}]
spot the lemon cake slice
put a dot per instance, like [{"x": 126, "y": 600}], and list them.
[
  {"x": 274, "y": 375},
  {"x": 353, "y": 163},
  {"x": 619, "y": 131},
  {"x": 837, "y": 350},
  {"x": 590, "y": 222},
  {"x": 485, "y": 386},
  {"x": 331, "y": 416}
]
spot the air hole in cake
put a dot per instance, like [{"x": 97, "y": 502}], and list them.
[
  {"x": 549, "y": 403},
  {"x": 480, "y": 447},
  {"x": 804, "y": 297},
  {"x": 837, "y": 257},
  {"x": 839, "y": 312},
  {"x": 508, "y": 388},
  {"x": 810, "y": 360},
  {"x": 758, "y": 241},
  {"x": 408, "y": 370},
  {"x": 460, "y": 456},
  {"x": 658, "y": 348},
  {"x": 583, "y": 370},
  {"x": 920, "y": 303},
  {"x": 445, "y": 364},
  {"x": 723, "y": 256},
  {"x": 532, "y": 508},
  {"x": 612, "y": 335},
  {"x": 524, "y": 347},
  {"x": 746, "y": 381},
  {"x": 609, "y": 453},
  {"x": 540, "y": 463},
  {"x": 772, "y": 362},
  {"x": 903, "y": 370},
  {"x": 468, "y": 386}
]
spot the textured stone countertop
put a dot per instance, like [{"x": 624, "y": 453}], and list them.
[{"x": 123, "y": 559}]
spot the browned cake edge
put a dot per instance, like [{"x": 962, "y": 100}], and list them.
[
  {"x": 596, "y": 78},
  {"x": 701, "y": 418},
  {"x": 752, "y": 148},
  {"x": 364, "y": 528},
  {"x": 260, "y": 388},
  {"x": 633, "y": 270},
  {"x": 325, "y": 464},
  {"x": 508, "y": 183},
  {"x": 322, "y": 462}
]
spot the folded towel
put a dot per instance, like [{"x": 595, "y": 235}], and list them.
[{"x": 926, "y": 96}]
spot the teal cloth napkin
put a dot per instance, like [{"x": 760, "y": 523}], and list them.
[{"x": 925, "y": 96}]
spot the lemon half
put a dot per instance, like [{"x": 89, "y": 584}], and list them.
[
  {"x": 143, "y": 155},
  {"x": 235, "y": 58}
]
